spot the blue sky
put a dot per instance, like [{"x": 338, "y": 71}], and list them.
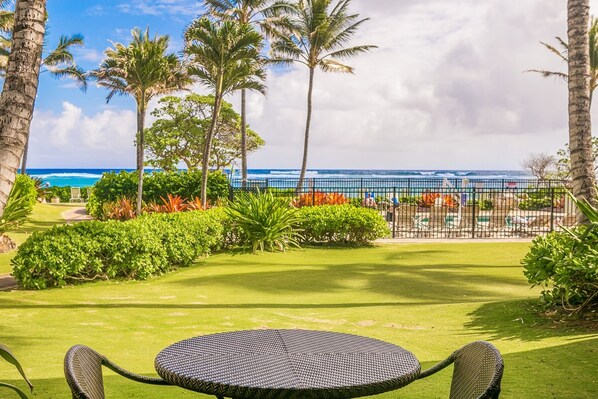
[{"x": 446, "y": 89}]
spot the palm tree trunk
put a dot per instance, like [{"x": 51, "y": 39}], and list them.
[
  {"x": 140, "y": 148},
  {"x": 243, "y": 138},
  {"x": 206, "y": 151},
  {"x": 307, "y": 125},
  {"x": 24, "y": 158},
  {"x": 580, "y": 126},
  {"x": 17, "y": 100}
]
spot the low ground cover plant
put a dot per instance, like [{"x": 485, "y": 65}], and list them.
[
  {"x": 565, "y": 264},
  {"x": 93, "y": 250},
  {"x": 341, "y": 224}
]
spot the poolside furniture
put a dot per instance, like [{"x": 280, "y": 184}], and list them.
[
  {"x": 76, "y": 195},
  {"x": 539, "y": 224},
  {"x": 260, "y": 364},
  {"x": 83, "y": 371},
  {"x": 404, "y": 217},
  {"x": 477, "y": 372}
]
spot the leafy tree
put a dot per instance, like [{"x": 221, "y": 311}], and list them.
[
  {"x": 20, "y": 88},
  {"x": 225, "y": 57},
  {"x": 59, "y": 62},
  {"x": 254, "y": 12},
  {"x": 314, "y": 33},
  {"x": 564, "y": 55},
  {"x": 178, "y": 135},
  {"x": 143, "y": 70},
  {"x": 583, "y": 175}
]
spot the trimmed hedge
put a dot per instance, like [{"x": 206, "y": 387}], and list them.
[
  {"x": 341, "y": 224},
  {"x": 186, "y": 184},
  {"x": 136, "y": 249}
]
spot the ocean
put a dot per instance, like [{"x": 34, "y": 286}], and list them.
[{"x": 87, "y": 177}]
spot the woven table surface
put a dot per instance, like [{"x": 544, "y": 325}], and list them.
[{"x": 287, "y": 364}]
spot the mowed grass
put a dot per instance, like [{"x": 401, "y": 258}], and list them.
[
  {"x": 43, "y": 217},
  {"x": 428, "y": 298}
]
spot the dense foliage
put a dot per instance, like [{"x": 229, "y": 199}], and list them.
[
  {"x": 115, "y": 186},
  {"x": 341, "y": 224},
  {"x": 565, "y": 264},
  {"x": 266, "y": 221},
  {"x": 140, "y": 248},
  {"x": 26, "y": 188}
]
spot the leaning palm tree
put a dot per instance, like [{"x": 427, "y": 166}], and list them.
[
  {"x": 143, "y": 70},
  {"x": 253, "y": 12},
  {"x": 563, "y": 54},
  {"x": 59, "y": 63},
  {"x": 225, "y": 57},
  {"x": 580, "y": 126},
  {"x": 20, "y": 88},
  {"x": 314, "y": 34}
]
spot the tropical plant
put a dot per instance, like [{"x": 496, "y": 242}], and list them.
[
  {"x": 266, "y": 222},
  {"x": 563, "y": 54},
  {"x": 178, "y": 134},
  {"x": 195, "y": 205},
  {"x": 173, "y": 203},
  {"x": 583, "y": 175},
  {"x": 59, "y": 62},
  {"x": 314, "y": 33},
  {"x": 10, "y": 358},
  {"x": 143, "y": 70},
  {"x": 251, "y": 12},
  {"x": 123, "y": 209},
  {"x": 20, "y": 88},
  {"x": 318, "y": 198},
  {"x": 225, "y": 57}
]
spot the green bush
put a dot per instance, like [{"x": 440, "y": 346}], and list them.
[
  {"x": 64, "y": 193},
  {"x": 341, "y": 224},
  {"x": 534, "y": 204},
  {"x": 186, "y": 184},
  {"x": 266, "y": 221},
  {"x": 95, "y": 250},
  {"x": 485, "y": 205},
  {"x": 25, "y": 185},
  {"x": 16, "y": 210}
]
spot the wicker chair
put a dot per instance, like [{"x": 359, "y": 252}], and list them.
[
  {"x": 477, "y": 372},
  {"x": 83, "y": 371}
]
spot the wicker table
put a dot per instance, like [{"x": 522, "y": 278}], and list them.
[{"x": 286, "y": 364}]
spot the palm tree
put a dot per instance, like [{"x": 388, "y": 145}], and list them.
[
  {"x": 20, "y": 88},
  {"x": 314, "y": 33},
  {"x": 143, "y": 70},
  {"x": 225, "y": 57},
  {"x": 254, "y": 12},
  {"x": 60, "y": 62},
  {"x": 563, "y": 55},
  {"x": 580, "y": 122}
]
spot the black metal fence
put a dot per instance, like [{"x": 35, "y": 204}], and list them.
[{"x": 440, "y": 208}]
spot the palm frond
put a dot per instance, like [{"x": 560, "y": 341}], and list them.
[
  {"x": 74, "y": 72},
  {"x": 561, "y": 55},
  {"x": 549, "y": 74}
]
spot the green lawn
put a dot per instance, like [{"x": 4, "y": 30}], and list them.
[{"x": 429, "y": 298}]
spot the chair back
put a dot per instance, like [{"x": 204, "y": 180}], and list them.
[
  {"x": 75, "y": 194},
  {"x": 437, "y": 217},
  {"x": 477, "y": 373},
  {"x": 83, "y": 371}
]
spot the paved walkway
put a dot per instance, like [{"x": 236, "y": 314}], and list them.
[{"x": 76, "y": 214}]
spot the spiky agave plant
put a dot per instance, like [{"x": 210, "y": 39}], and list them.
[
  {"x": 267, "y": 222},
  {"x": 10, "y": 358}
]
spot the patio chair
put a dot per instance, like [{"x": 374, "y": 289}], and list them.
[
  {"x": 539, "y": 224},
  {"x": 76, "y": 194},
  {"x": 437, "y": 220},
  {"x": 404, "y": 217},
  {"x": 477, "y": 372},
  {"x": 83, "y": 371}
]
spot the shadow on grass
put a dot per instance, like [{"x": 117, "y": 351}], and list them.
[{"x": 520, "y": 320}]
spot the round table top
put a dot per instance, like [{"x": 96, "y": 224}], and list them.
[{"x": 287, "y": 364}]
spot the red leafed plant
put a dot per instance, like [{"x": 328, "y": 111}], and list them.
[
  {"x": 173, "y": 203},
  {"x": 123, "y": 209},
  {"x": 449, "y": 200},
  {"x": 319, "y": 198},
  {"x": 336, "y": 199},
  {"x": 195, "y": 205},
  {"x": 428, "y": 199}
]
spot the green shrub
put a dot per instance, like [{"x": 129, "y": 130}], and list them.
[
  {"x": 565, "y": 264},
  {"x": 27, "y": 189},
  {"x": 186, "y": 184},
  {"x": 534, "y": 204},
  {"x": 341, "y": 224},
  {"x": 485, "y": 205},
  {"x": 409, "y": 200},
  {"x": 266, "y": 221},
  {"x": 95, "y": 250}
]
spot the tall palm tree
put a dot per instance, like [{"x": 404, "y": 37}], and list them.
[
  {"x": 225, "y": 57},
  {"x": 314, "y": 33},
  {"x": 59, "y": 63},
  {"x": 20, "y": 88},
  {"x": 143, "y": 70},
  {"x": 580, "y": 122},
  {"x": 563, "y": 54},
  {"x": 254, "y": 12}
]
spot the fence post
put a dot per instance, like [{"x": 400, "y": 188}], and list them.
[
  {"x": 394, "y": 209},
  {"x": 473, "y": 215},
  {"x": 313, "y": 192},
  {"x": 551, "y": 209}
]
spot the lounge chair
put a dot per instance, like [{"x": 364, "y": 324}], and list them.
[
  {"x": 433, "y": 223},
  {"x": 404, "y": 217},
  {"x": 83, "y": 371},
  {"x": 477, "y": 373},
  {"x": 539, "y": 224},
  {"x": 76, "y": 195}
]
